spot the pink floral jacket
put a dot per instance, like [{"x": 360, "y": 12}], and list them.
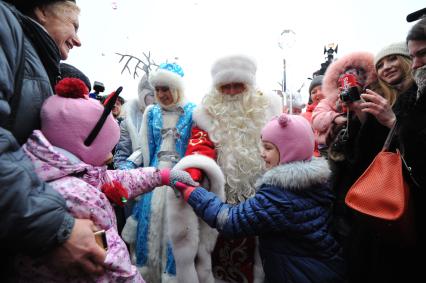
[{"x": 79, "y": 184}]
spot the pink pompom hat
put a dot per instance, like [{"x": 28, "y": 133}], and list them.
[
  {"x": 70, "y": 117},
  {"x": 292, "y": 135}
]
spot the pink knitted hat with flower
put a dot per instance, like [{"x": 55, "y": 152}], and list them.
[
  {"x": 292, "y": 135},
  {"x": 68, "y": 118}
]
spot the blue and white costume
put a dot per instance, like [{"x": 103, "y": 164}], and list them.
[{"x": 164, "y": 137}]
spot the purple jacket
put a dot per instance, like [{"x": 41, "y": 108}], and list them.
[{"x": 79, "y": 183}]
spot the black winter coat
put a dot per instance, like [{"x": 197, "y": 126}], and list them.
[
  {"x": 33, "y": 216},
  {"x": 373, "y": 254}
]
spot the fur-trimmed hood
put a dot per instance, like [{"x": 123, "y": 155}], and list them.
[
  {"x": 357, "y": 60},
  {"x": 298, "y": 175}
]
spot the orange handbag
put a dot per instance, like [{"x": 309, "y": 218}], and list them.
[{"x": 381, "y": 191}]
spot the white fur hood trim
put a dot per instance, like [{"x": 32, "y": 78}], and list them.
[
  {"x": 132, "y": 107},
  {"x": 166, "y": 78},
  {"x": 297, "y": 175}
]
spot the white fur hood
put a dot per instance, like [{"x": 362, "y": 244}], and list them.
[{"x": 297, "y": 175}]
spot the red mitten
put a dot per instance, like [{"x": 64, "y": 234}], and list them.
[
  {"x": 184, "y": 189},
  {"x": 115, "y": 192}
]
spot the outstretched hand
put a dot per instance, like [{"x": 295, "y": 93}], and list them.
[
  {"x": 170, "y": 177},
  {"x": 184, "y": 189}
]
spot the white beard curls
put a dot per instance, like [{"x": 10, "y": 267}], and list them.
[{"x": 236, "y": 124}]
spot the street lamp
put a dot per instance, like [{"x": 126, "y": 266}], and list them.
[{"x": 286, "y": 42}]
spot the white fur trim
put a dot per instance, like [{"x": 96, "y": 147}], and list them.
[
  {"x": 201, "y": 118},
  {"x": 191, "y": 237},
  {"x": 166, "y": 78},
  {"x": 211, "y": 169},
  {"x": 143, "y": 137},
  {"x": 129, "y": 231},
  {"x": 275, "y": 106},
  {"x": 157, "y": 235},
  {"x": 234, "y": 68},
  {"x": 133, "y": 120},
  {"x": 297, "y": 175},
  {"x": 258, "y": 273},
  {"x": 141, "y": 154},
  {"x": 167, "y": 278}
]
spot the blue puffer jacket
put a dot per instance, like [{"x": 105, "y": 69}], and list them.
[
  {"x": 290, "y": 213},
  {"x": 33, "y": 216}
]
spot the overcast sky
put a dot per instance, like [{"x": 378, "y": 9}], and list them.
[{"x": 196, "y": 32}]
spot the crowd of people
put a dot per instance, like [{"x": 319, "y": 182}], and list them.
[{"x": 91, "y": 193}]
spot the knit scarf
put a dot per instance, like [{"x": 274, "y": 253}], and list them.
[{"x": 44, "y": 45}]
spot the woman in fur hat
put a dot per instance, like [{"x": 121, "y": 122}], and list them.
[{"x": 163, "y": 139}]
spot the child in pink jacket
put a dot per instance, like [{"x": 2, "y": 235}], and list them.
[
  {"x": 331, "y": 110},
  {"x": 74, "y": 164}
]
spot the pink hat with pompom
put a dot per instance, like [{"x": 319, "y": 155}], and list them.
[
  {"x": 292, "y": 135},
  {"x": 69, "y": 117}
]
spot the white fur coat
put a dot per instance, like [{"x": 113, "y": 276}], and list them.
[{"x": 192, "y": 239}]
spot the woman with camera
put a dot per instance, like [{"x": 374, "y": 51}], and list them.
[{"x": 370, "y": 114}]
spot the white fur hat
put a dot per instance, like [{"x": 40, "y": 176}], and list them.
[
  {"x": 168, "y": 74},
  {"x": 234, "y": 69}
]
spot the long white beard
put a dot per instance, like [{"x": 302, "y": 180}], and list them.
[{"x": 236, "y": 124}]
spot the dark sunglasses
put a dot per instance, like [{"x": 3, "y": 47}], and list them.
[
  {"x": 108, "y": 105},
  {"x": 162, "y": 88}
]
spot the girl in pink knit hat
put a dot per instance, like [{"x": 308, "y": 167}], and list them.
[
  {"x": 290, "y": 211},
  {"x": 70, "y": 153}
]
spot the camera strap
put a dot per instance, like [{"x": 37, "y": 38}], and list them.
[{"x": 344, "y": 133}]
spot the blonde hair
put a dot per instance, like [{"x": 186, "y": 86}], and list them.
[
  {"x": 61, "y": 8},
  {"x": 390, "y": 92}
]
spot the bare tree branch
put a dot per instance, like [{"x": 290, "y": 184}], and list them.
[{"x": 144, "y": 65}]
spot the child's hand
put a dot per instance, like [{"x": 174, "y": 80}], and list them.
[
  {"x": 170, "y": 177},
  {"x": 184, "y": 189}
]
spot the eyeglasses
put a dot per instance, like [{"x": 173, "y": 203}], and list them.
[
  {"x": 108, "y": 104},
  {"x": 162, "y": 88}
]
